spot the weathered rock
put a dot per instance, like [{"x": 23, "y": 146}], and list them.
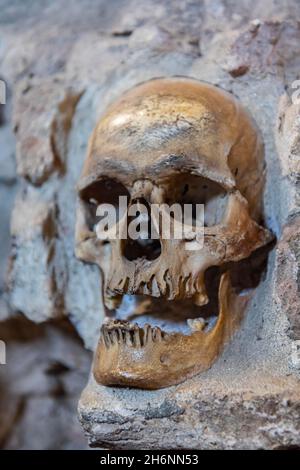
[
  {"x": 35, "y": 265},
  {"x": 288, "y": 137},
  {"x": 40, "y": 385},
  {"x": 7, "y": 160},
  {"x": 204, "y": 414},
  {"x": 45, "y": 278},
  {"x": 8, "y": 187},
  {"x": 42, "y": 119},
  {"x": 265, "y": 47},
  {"x": 287, "y": 274}
]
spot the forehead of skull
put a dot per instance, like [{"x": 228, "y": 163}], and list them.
[{"x": 164, "y": 125}]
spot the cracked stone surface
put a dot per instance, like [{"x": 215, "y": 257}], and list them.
[
  {"x": 72, "y": 67},
  {"x": 40, "y": 385}
]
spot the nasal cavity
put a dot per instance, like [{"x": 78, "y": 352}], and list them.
[{"x": 139, "y": 244}]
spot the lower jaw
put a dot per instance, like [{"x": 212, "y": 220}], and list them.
[
  {"x": 145, "y": 358},
  {"x": 158, "y": 364}
]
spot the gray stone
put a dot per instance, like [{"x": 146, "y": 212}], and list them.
[
  {"x": 287, "y": 273},
  {"x": 209, "y": 412},
  {"x": 40, "y": 385},
  {"x": 35, "y": 261},
  {"x": 42, "y": 119}
]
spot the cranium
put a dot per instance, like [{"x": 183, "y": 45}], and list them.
[{"x": 165, "y": 141}]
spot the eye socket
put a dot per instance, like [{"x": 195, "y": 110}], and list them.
[
  {"x": 192, "y": 189},
  {"x": 104, "y": 191}
]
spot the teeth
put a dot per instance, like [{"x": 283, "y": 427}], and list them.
[
  {"x": 155, "y": 289},
  {"x": 128, "y": 339},
  {"x": 183, "y": 287},
  {"x": 196, "y": 324},
  {"x": 147, "y": 337},
  {"x": 117, "y": 332},
  {"x": 156, "y": 334},
  {"x": 200, "y": 299},
  {"x": 137, "y": 338}
]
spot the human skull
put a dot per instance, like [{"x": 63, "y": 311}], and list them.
[{"x": 171, "y": 140}]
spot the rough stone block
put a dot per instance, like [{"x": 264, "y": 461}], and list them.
[{"x": 42, "y": 119}]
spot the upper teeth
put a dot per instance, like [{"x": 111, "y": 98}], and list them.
[
  {"x": 200, "y": 299},
  {"x": 163, "y": 286}
]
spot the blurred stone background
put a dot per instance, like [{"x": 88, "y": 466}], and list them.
[{"x": 63, "y": 62}]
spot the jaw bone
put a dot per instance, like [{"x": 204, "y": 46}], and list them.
[{"x": 149, "y": 358}]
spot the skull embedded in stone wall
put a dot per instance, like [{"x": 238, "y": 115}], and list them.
[{"x": 171, "y": 308}]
